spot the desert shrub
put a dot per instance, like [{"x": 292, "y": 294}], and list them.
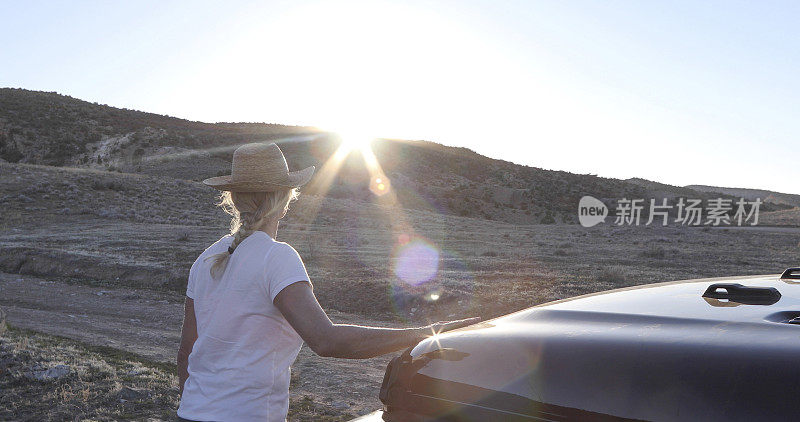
[
  {"x": 548, "y": 219},
  {"x": 8, "y": 150},
  {"x": 490, "y": 253},
  {"x": 108, "y": 185},
  {"x": 613, "y": 274},
  {"x": 656, "y": 252},
  {"x": 560, "y": 252},
  {"x": 311, "y": 252}
]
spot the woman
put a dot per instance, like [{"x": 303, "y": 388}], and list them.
[{"x": 250, "y": 304}]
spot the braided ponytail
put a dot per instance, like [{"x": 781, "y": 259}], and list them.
[{"x": 249, "y": 211}]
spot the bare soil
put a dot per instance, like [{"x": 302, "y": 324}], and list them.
[
  {"x": 101, "y": 258},
  {"x": 147, "y": 324}
]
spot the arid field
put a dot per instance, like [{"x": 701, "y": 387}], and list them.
[{"x": 94, "y": 265}]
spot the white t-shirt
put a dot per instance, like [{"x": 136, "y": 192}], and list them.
[{"x": 239, "y": 366}]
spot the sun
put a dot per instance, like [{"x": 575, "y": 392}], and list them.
[{"x": 354, "y": 140}]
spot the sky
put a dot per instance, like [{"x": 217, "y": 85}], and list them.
[{"x": 680, "y": 92}]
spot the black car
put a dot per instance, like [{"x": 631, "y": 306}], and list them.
[{"x": 705, "y": 349}]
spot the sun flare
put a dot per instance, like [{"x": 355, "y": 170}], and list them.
[{"x": 353, "y": 140}]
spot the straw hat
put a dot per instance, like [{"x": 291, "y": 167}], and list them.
[{"x": 260, "y": 167}]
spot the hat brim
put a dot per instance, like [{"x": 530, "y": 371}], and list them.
[{"x": 294, "y": 179}]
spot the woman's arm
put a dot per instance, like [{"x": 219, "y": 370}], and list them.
[
  {"x": 188, "y": 337},
  {"x": 300, "y": 307}
]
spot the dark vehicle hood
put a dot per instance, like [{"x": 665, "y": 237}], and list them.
[{"x": 656, "y": 352}]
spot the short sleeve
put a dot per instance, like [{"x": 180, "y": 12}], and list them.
[
  {"x": 192, "y": 281},
  {"x": 285, "y": 267}
]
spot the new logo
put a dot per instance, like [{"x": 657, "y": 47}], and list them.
[{"x": 591, "y": 211}]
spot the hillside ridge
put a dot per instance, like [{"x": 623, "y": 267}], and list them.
[{"x": 47, "y": 128}]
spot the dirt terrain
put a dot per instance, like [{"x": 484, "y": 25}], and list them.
[
  {"x": 145, "y": 232},
  {"x": 148, "y": 323},
  {"x": 102, "y": 257}
]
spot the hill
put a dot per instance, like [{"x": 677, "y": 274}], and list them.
[
  {"x": 51, "y": 129},
  {"x": 751, "y": 194}
]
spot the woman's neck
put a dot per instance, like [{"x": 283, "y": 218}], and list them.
[{"x": 270, "y": 227}]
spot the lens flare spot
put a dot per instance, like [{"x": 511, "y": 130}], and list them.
[
  {"x": 417, "y": 262},
  {"x": 379, "y": 185},
  {"x": 403, "y": 239}
]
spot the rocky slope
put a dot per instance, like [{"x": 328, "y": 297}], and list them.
[
  {"x": 52, "y": 129},
  {"x": 751, "y": 194}
]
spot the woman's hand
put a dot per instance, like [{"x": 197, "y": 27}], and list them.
[{"x": 442, "y": 326}]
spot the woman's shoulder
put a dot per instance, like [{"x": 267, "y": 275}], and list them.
[
  {"x": 283, "y": 248},
  {"x": 284, "y": 265},
  {"x": 218, "y": 246},
  {"x": 223, "y": 242},
  {"x": 282, "y": 252}
]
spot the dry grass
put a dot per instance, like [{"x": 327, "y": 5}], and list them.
[
  {"x": 613, "y": 275},
  {"x": 103, "y": 384}
]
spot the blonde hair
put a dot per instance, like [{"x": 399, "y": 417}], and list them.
[{"x": 249, "y": 210}]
